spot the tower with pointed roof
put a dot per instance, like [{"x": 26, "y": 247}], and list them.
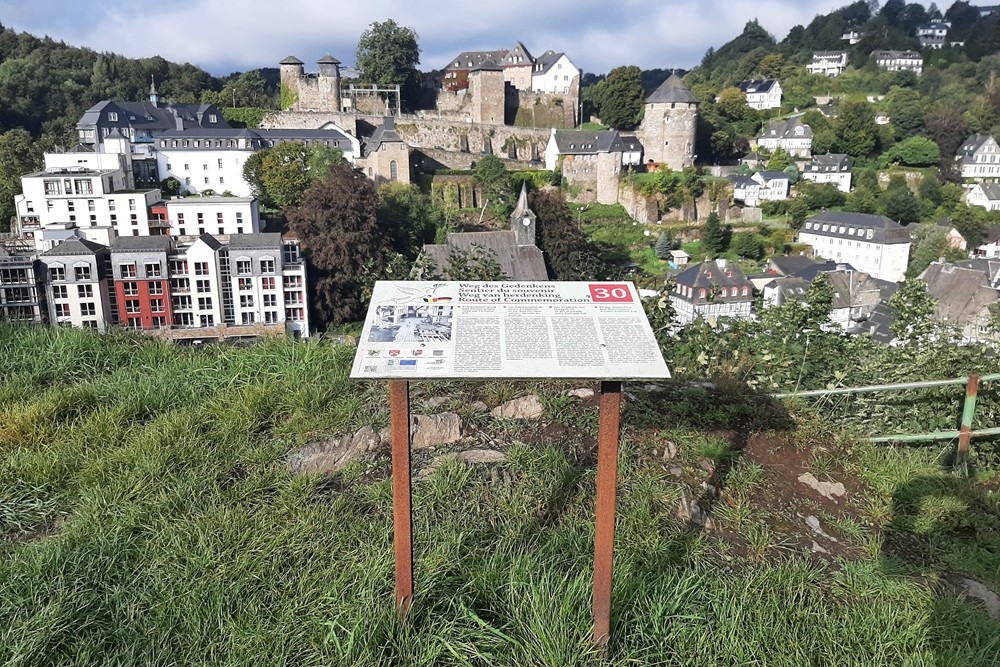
[
  {"x": 154, "y": 97},
  {"x": 668, "y": 126},
  {"x": 313, "y": 92},
  {"x": 522, "y": 220}
]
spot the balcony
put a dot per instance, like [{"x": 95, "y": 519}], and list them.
[{"x": 30, "y": 222}]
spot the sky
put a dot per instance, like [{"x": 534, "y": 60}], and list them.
[{"x": 223, "y": 36}]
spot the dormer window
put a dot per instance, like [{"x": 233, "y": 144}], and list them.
[
  {"x": 708, "y": 274},
  {"x": 113, "y": 116}
]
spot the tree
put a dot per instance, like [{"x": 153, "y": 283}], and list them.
[
  {"x": 747, "y": 245},
  {"x": 568, "y": 252},
  {"x": 388, "y": 54},
  {"x": 343, "y": 241},
  {"x": 731, "y": 103},
  {"x": 491, "y": 174},
  {"x": 771, "y": 65},
  {"x": 821, "y": 196},
  {"x": 663, "y": 246},
  {"x": 907, "y": 111},
  {"x": 478, "y": 263},
  {"x": 901, "y": 205},
  {"x": 915, "y": 152},
  {"x": 622, "y": 98},
  {"x": 320, "y": 159},
  {"x": 253, "y": 174},
  {"x": 409, "y": 216},
  {"x": 913, "y": 312},
  {"x": 855, "y": 129},
  {"x": 930, "y": 242},
  {"x": 713, "y": 238},
  {"x": 285, "y": 173},
  {"x": 19, "y": 155},
  {"x": 779, "y": 160}
]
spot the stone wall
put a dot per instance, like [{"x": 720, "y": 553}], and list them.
[
  {"x": 640, "y": 207},
  {"x": 668, "y": 134},
  {"x": 530, "y": 109},
  {"x": 592, "y": 178}
]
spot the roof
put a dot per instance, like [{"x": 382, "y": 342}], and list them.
[
  {"x": 544, "y": 62},
  {"x": 757, "y": 85},
  {"x": 519, "y": 262},
  {"x": 710, "y": 274},
  {"x": 857, "y": 289},
  {"x": 586, "y": 142},
  {"x": 829, "y": 54},
  {"x": 141, "y": 244},
  {"x": 384, "y": 133},
  {"x": 145, "y": 115},
  {"x": 973, "y": 143},
  {"x": 476, "y": 59},
  {"x": 879, "y": 324},
  {"x": 262, "y": 241},
  {"x": 783, "y": 129},
  {"x": 830, "y": 162},
  {"x": 74, "y": 246},
  {"x": 989, "y": 267},
  {"x": 291, "y": 60},
  {"x": 328, "y": 60},
  {"x": 771, "y": 175},
  {"x": 793, "y": 287},
  {"x": 518, "y": 50},
  {"x": 961, "y": 293},
  {"x": 992, "y": 235},
  {"x": 210, "y": 241},
  {"x": 897, "y": 55},
  {"x": 199, "y": 201},
  {"x": 671, "y": 91},
  {"x": 990, "y": 190},
  {"x": 521, "y": 208},
  {"x": 847, "y": 225},
  {"x": 739, "y": 180},
  {"x": 788, "y": 265}
]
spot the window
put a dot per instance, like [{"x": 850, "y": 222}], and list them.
[
  {"x": 159, "y": 322},
  {"x": 292, "y": 281},
  {"x": 82, "y": 272},
  {"x": 183, "y": 319},
  {"x": 746, "y": 291},
  {"x": 222, "y": 181},
  {"x": 127, "y": 270},
  {"x": 113, "y": 116},
  {"x": 90, "y": 205},
  {"x": 57, "y": 273},
  {"x": 212, "y": 118},
  {"x": 131, "y": 204},
  {"x": 297, "y": 314},
  {"x": 88, "y": 308},
  {"x": 243, "y": 267},
  {"x": 154, "y": 287},
  {"x": 267, "y": 283},
  {"x": 270, "y": 300},
  {"x": 71, "y": 205},
  {"x": 62, "y": 310},
  {"x": 291, "y": 252},
  {"x": 178, "y": 267},
  {"x": 201, "y": 219},
  {"x": 218, "y": 218},
  {"x": 293, "y": 297},
  {"x": 131, "y": 306},
  {"x": 59, "y": 292},
  {"x": 267, "y": 266},
  {"x": 85, "y": 291},
  {"x": 247, "y": 318},
  {"x": 53, "y": 188},
  {"x": 239, "y": 214},
  {"x": 246, "y": 301},
  {"x": 204, "y": 167},
  {"x": 152, "y": 269},
  {"x": 206, "y": 180},
  {"x": 701, "y": 293},
  {"x": 187, "y": 180},
  {"x": 134, "y": 219},
  {"x": 187, "y": 167},
  {"x": 130, "y": 289},
  {"x": 156, "y": 306},
  {"x": 205, "y": 303},
  {"x": 89, "y": 324},
  {"x": 392, "y": 170},
  {"x": 271, "y": 317},
  {"x": 207, "y": 320},
  {"x": 182, "y": 303},
  {"x": 201, "y": 268},
  {"x": 134, "y": 323},
  {"x": 245, "y": 284},
  {"x": 202, "y": 286},
  {"x": 220, "y": 163}
]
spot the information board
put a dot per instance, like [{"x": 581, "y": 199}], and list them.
[{"x": 460, "y": 329}]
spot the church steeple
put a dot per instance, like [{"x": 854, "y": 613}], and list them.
[
  {"x": 522, "y": 220},
  {"x": 154, "y": 97}
]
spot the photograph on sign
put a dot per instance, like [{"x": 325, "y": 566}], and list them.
[{"x": 468, "y": 329}]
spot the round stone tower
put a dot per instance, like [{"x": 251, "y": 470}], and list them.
[
  {"x": 329, "y": 83},
  {"x": 291, "y": 76},
  {"x": 668, "y": 127}
]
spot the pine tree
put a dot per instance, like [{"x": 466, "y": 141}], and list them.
[
  {"x": 713, "y": 237},
  {"x": 663, "y": 246}
]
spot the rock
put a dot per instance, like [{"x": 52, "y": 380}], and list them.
[
  {"x": 332, "y": 455},
  {"x": 433, "y": 430},
  {"x": 816, "y": 527},
  {"x": 669, "y": 451},
  {"x": 527, "y": 407},
  {"x": 707, "y": 465},
  {"x": 690, "y": 511},
  {"x": 979, "y": 591},
  {"x": 817, "y": 549},
  {"x": 831, "y": 490},
  {"x": 479, "y": 407},
  {"x": 436, "y": 402},
  {"x": 677, "y": 472},
  {"x": 710, "y": 491},
  {"x": 581, "y": 393},
  {"x": 472, "y": 457}
]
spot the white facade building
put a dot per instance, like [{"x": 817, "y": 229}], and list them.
[
  {"x": 979, "y": 158},
  {"x": 986, "y": 195},
  {"x": 899, "y": 61},
  {"x": 828, "y": 63},
  {"x": 761, "y": 186},
  {"x": 871, "y": 243},
  {"x": 762, "y": 93},
  {"x": 830, "y": 168},
  {"x": 553, "y": 73},
  {"x": 193, "y": 216},
  {"x": 791, "y": 135},
  {"x": 933, "y": 35}
]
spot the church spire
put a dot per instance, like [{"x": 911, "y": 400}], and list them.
[
  {"x": 154, "y": 97},
  {"x": 522, "y": 220}
]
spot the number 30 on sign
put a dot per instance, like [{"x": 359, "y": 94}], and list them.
[{"x": 613, "y": 293}]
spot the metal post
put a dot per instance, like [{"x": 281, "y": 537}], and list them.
[
  {"x": 968, "y": 409},
  {"x": 402, "y": 512},
  {"x": 604, "y": 524}
]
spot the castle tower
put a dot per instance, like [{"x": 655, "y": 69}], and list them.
[
  {"x": 488, "y": 91},
  {"x": 291, "y": 75},
  {"x": 329, "y": 83},
  {"x": 668, "y": 127},
  {"x": 154, "y": 97},
  {"x": 522, "y": 220}
]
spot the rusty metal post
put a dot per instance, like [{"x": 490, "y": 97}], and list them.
[
  {"x": 604, "y": 524},
  {"x": 402, "y": 511},
  {"x": 968, "y": 409}
]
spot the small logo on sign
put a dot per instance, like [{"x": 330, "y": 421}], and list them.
[
  {"x": 372, "y": 353},
  {"x": 438, "y": 353},
  {"x": 393, "y": 353},
  {"x": 408, "y": 362},
  {"x": 417, "y": 353}
]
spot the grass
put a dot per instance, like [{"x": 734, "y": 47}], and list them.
[{"x": 147, "y": 517}]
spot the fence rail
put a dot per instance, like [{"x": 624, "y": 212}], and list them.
[{"x": 964, "y": 434}]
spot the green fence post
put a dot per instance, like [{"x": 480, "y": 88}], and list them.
[{"x": 968, "y": 409}]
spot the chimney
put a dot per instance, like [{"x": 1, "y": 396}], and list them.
[
  {"x": 179, "y": 123},
  {"x": 721, "y": 263}
]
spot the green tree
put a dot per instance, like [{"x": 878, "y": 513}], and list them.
[
  {"x": 913, "y": 312},
  {"x": 491, "y": 174},
  {"x": 478, "y": 263},
  {"x": 285, "y": 173},
  {"x": 713, "y": 238},
  {"x": 19, "y": 155},
  {"x": 253, "y": 174},
  {"x": 900, "y": 205},
  {"x": 819, "y": 302},
  {"x": 855, "y": 129},
  {"x": 568, "y": 252},
  {"x": 779, "y": 160},
  {"x": 821, "y": 196},
  {"x": 388, "y": 54},
  {"x": 930, "y": 243},
  {"x": 731, "y": 103},
  {"x": 798, "y": 210},
  {"x": 622, "y": 98},
  {"x": 747, "y": 245},
  {"x": 915, "y": 152},
  {"x": 664, "y": 245},
  {"x": 907, "y": 111},
  {"x": 343, "y": 241},
  {"x": 409, "y": 216}
]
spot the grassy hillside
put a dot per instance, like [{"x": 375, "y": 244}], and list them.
[{"x": 147, "y": 516}]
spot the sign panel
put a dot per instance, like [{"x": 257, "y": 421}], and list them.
[{"x": 470, "y": 329}]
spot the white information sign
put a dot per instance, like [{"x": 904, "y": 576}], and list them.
[{"x": 507, "y": 330}]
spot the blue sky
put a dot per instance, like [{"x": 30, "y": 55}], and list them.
[{"x": 222, "y": 36}]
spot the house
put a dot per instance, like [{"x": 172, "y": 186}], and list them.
[
  {"x": 22, "y": 292},
  {"x": 830, "y": 168},
  {"x": 978, "y": 158},
  {"x": 711, "y": 289},
  {"x": 964, "y": 299},
  {"x": 514, "y": 250},
  {"x": 990, "y": 247},
  {"x": 384, "y": 155},
  {"x": 955, "y": 238},
  {"x": 761, "y": 93},
  {"x": 76, "y": 285},
  {"x": 791, "y": 134},
  {"x": 761, "y": 186},
  {"x": 851, "y": 36},
  {"x": 828, "y": 63},
  {"x": 801, "y": 266},
  {"x": 856, "y": 295},
  {"x": 754, "y": 160},
  {"x": 986, "y": 195},
  {"x": 456, "y": 74},
  {"x": 143, "y": 122},
  {"x": 555, "y": 73},
  {"x": 593, "y": 160},
  {"x": 781, "y": 289},
  {"x": 679, "y": 258},
  {"x": 988, "y": 267},
  {"x": 933, "y": 35},
  {"x": 899, "y": 61},
  {"x": 552, "y": 72},
  {"x": 871, "y": 243}
]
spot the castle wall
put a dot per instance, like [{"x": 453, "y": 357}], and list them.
[
  {"x": 640, "y": 207},
  {"x": 668, "y": 134},
  {"x": 549, "y": 110},
  {"x": 487, "y": 90},
  {"x": 593, "y": 178}
]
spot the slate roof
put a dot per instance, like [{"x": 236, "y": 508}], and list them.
[
  {"x": 475, "y": 59},
  {"x": 144, "y": 115},
  {"x": 789, "y": 265},
  {"x": 518, "y": 262},
  {"x": 785, "y": 129},
  {"x": 829, "y": 54},
  {"x": 857, "y": 289},
  {"x": 991, "y": 190},
  {"x": 210, "y": 241},
  {"x": 384, "y": 133},
  {"x": 74, "y": 246},
  {"x": 992, "y": 236},
  {"x": 327, "y": 60},
  {"x": 988, "y": 267},
  {"x": 740, "y": 180},
  {"x": 883, "y": 229},
  {"x": 587, "y": 142},
  {"x": 670, "y": 91},
  {"x": 141, "y": 244},
  {"x": 961, "y": 293},
  {"x": 879, "y": 323},
  {"x": 544, "y": 62},
  {"x": 973, "y": 144},
  {"x": 831, "y": 162},
  {"x": 753, "y": 86},
  {"x": 519, "y": 49},
  {"x": 262, "y": 241},
  {"x": 291, "y": 60},
  {"x": 710, "y": 274},
  {"x": 792, "y": 287},
  {"x": 771, "y": 175},
  {"x": 897, "y": 55}
]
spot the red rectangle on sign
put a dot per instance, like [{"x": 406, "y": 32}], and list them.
[{"x": 610, "y": 293}]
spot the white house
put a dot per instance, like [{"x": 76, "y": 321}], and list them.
[
  {"x": 193, "y": 216},
  {"x": 990, "y": 247},
  {"x": 711, "y": 289},
  {"x": 830, "y": 168},
  {"x": 934, "y": 34},
  {"x": 979, "y": 158},
  {"x": 554, "y": 73},
  {"x": 986, "y": 195},
  {"x": 851, "y": 36},
  {"x": 761, "y": 93},
  {"x": 761, "y": 186},
  {"x": 870, "y": 243},
  {"x": 791, "y": 135},
  {"x": 899, "y": 61},
  {"x": 828, "y": 63}
]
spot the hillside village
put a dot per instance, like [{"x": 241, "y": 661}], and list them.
[{"x": 157, "y": 220}]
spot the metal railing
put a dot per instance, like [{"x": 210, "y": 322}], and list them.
[{"x": 964, "y": 433}]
